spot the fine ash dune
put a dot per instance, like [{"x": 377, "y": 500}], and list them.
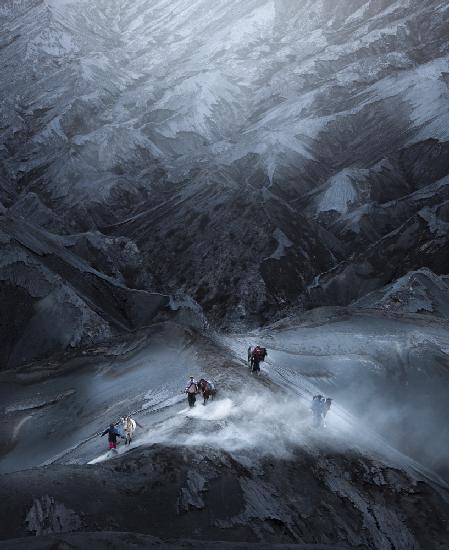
[{"x": 247, "y": 467}]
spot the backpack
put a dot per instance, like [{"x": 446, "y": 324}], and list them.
[
  {"x": 260, "y": 353},
  {"x": 195, "y": 388}
]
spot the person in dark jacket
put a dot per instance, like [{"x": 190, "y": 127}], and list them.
[
  {"x": 255, "y": 363},
  {"x": 191, "y": 391},
  {"x": 113, "y": 433},
  {"x": 257, "y": 355}
]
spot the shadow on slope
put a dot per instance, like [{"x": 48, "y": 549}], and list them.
[
  {"x": 53, "y": 299},
  {"x": 206, "y": 494}
]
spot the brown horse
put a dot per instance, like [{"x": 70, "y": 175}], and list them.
[{"x": 207, "y": 390}]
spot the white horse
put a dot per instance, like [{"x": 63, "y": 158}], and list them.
[{"x": 129, "y": 427}]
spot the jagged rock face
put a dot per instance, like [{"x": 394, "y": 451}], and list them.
[
  {"x": 259, "y": 155},
  {"x": 47, "y": 516},
  {"x": 205, "y": 494},
  {"x": 54, "y": 299},
  {"x": 417, "y": 292},
  {"x": 241, "y": 259}
]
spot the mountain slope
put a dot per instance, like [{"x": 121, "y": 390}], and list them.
[
  {"x": 156, "y": 487},
  {"x": 61, "y": 301},
  {"x": 250, "y": 466},
  {"x": 261, "y": 155}
]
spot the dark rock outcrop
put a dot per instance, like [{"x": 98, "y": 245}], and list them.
[{"x": 324, "y": 499}]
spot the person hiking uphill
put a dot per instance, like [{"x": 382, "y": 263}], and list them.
[
  {"x": 191, "y": 391},
  {"x": 317, "y": 410},
  {"x": 320, "y": 407},
  {"x": 257, "y": 355},
  {"x": 326, "y": 407},
  {"x": 113, "y": 433}
]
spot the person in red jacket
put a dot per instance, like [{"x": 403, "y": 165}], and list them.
[{"x": 258, "y": 354}]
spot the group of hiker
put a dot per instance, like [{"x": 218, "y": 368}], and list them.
[{"x": 126, "y": 426}]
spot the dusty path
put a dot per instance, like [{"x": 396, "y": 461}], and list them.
[{"x": 57, "y": 417}]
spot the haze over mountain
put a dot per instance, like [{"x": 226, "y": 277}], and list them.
[
  {"x": 259, "y": 155},
  {"x": 180, "y": 179}
]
